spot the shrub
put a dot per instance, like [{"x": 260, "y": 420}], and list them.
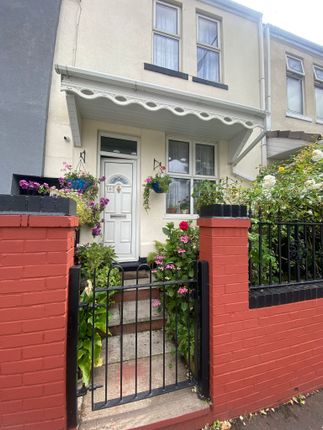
[{"x": 98, "y": 259}]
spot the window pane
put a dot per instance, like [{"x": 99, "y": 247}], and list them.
[
  {"x": 208, "y": 65},
  {"x": 204, "y": 160},
  {"x": 166, "y": 18},
  {"x": 208, "y": 32},
  {"x": 295, "y": 65},
  {"x": 319, "y": 102},
  {"x": 318, "y": 73},
  {"x": 295, "y": 95},
  {"x": 178, "y": 196},
  {"x": 178, "y": 156},
  {"x": 166, "y": 52},
  {"x": 118, "y": 146}
]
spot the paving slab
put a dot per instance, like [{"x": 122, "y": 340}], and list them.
[{"x": 288, "y": 417}]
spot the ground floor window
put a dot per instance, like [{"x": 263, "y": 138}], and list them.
[{"x": 188, "y": 162}]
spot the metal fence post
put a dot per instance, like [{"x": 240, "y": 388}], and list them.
[
  {"x": 204, "y": 344},
  {"x": 71, "y": 352}
]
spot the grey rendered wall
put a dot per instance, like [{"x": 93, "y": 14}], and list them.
[{"x": 27, "y": 42}]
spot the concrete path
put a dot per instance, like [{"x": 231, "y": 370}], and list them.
[{"x": 289, "y": 417}]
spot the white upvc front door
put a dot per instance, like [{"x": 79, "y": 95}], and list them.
[{"x": 120, "y": 213}]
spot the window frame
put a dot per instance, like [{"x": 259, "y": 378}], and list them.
[
  {"x": 177, "y": 37},
  {"x": 299, "y": 76},
  {"x": 316, "y": 78},
  {"x": 209, "y": 47},
  {"x": 191, "y": 175}
]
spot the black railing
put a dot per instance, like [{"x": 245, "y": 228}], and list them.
[
  {"x": 285, "y": 253},
  {"x": 148, "y": 351}
]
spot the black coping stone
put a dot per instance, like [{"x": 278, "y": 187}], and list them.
[
  {"x": 274, "y": 296},
  {"x": 42, "y": 205},
  {"x": 225, "y": 211}
]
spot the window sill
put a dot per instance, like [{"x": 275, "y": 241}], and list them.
[
  {"x": 210, "y": 83},
  {"x": 165, "y": 71},
  {"x": 319, "y": 121},
  {"x": 298, "y": 116},
  {"x": 181, "y": 216}
]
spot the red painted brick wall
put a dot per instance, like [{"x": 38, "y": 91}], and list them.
[
  {"x": 36, "y": 253},
  {"x": 259, "y": 357}
]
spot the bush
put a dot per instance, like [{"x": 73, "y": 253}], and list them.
[
  {"x": 98, "y": 259},
  {"x": 176, "y": 260}
]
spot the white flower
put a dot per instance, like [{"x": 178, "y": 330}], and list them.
[
  {"x": 310, "y": 183},
  {"x": 269, "y": 182},
  {"x": 317, "y": 155},
  {"x": 89, "y": 288}
]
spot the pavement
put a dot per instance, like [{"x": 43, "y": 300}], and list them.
[{"x": 288, "y": 417}]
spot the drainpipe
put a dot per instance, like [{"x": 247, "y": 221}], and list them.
[{"x": 262, "y": 88}]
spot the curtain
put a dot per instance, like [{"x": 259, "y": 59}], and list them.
[
  {"x": 204, "y": 156},
  {"x": 178, "y": 156},
  {"x": 294, "y": 95},
  {"x": 166, "y": 19},
  {"x": 208, "y": 32},
  {"x": 178, "y": 195},
  {"x": 208, "y": 65},
  {"x": 319, "y": 102},
  {"x": 166, "y": 52}
]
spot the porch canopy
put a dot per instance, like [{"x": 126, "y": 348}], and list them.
[{"x": 102, "y": 97}]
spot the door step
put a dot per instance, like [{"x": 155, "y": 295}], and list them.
[
  {"x": 128, "y": 312},
  {"x": 129, "y": 346},
  {"x": 151, "y": 411}
]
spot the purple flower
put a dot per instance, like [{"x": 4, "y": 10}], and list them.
[
  {"x": 96, "y": 231},
  {"x": 104, "y": 202},
  {"x": 23, "y": 184},
  {"x": 102, "y": 179},
  {"x": 148, "y": 180},
  {"x": 61, "y": 181}
]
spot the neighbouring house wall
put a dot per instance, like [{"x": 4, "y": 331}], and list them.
[
  {"x": 36, "y": 253},
  {"x": 278, "y": 51},
  {"x": 27, "y": 34},
  {"x": 258, "y": 357}
]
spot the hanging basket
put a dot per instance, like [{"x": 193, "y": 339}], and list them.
[
  {"x": 79, "y": 184},
  {"x": 157, "y": 188}
]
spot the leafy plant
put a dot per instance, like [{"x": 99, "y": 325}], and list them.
[
  {"x": 175, "y": 260},
  {"x": 94, "y": 258},
  {"x": 222, "y": 191}
]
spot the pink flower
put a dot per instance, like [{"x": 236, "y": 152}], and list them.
[
  {"x": 182, "y": 290},
  {"x": 184, "y": 238},
  {"x": 148, "y": 180},
  {"x": 154, "y": 271},
  {"x": 155, "y": 303},
  {"x": 170, "y": 266},
  {"x": 181, "y": 251}
]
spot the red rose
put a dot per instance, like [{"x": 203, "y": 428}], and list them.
[{"x": 183, "y": 225}]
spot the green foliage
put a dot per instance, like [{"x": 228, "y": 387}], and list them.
[
  {"x": 175, "y": 260},
  {"x": 291, "y": 190},
  {"x": 94, "y": 258},
  {"x": 222, "y": 191}
]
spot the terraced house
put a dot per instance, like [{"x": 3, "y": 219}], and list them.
[{"x": 169, "y": 84}]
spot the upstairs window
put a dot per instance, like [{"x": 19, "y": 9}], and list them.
[
  {"x": 318, "y": 79},
  {"x": 208, "y": 48},
  {"x": 166, "y": 35},
  {"x": 295, "y": 85}
]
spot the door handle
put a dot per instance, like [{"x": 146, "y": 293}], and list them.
[{"x": 117, "y": 216}]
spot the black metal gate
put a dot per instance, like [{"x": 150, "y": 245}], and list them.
[{"x": 152, "y": 336}]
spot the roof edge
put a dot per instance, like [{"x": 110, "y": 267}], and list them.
[
  {"x": 234, "y": 7},
  {"x": 294, "y": 39}
]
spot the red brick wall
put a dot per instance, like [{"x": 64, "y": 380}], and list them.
[
  {"x": 36, "y": 253},
  {"x": 259, "y": 357}
]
